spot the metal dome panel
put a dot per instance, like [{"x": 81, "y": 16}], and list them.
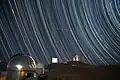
[{"x": 22, "y": 62}]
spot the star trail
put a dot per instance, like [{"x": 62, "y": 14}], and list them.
[{"x": 61, "y": 28}]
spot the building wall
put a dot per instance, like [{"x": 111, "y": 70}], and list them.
[{"x": 3, "y": 75}]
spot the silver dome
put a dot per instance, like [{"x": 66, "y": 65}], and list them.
[{"x": 22, "y": 62}]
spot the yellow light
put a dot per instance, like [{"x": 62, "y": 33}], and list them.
[{"x": 22, "y": 73}]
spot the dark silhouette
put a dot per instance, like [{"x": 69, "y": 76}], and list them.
[{"x": 81, "y": 71}]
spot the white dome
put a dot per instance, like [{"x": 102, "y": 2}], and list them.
[{"x": 22, "y": 62}]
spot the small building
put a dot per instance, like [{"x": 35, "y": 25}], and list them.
[
  {"x": 39, "y": 67},
  {"x": 76, "y": 58},
  {"x": 55, "y": 60}
]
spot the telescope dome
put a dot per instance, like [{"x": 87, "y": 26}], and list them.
[{"x": 22, "y": 62}]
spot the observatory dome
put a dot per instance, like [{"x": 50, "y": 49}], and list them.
[{"x": 22, "y": 62}]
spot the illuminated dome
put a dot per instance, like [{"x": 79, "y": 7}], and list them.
[{"x": 22, "y": 62}]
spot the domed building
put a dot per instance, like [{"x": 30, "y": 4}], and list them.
[
  {"x": 21, "y": 66},
  {"x": 26, "y": 62}
]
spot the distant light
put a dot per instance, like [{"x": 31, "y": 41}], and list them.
[
  {"x": 54, "y": 60},
  {"x": 19, "y": 66},
  {"x": 76, "y": 58},
  {"x": 74, "y": 65}
]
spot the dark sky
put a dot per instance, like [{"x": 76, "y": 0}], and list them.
[{"x": 61, "y": 28}]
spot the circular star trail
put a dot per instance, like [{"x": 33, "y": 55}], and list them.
[{"x": 61, "y": 28}]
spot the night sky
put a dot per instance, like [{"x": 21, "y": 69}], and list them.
[{"x": 61, "y": 28}]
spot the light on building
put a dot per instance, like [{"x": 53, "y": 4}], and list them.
[
  {"x": 54, "y": 60},
  {"x": 19, "y": 67},
  {"x": 76, "y": 58}
]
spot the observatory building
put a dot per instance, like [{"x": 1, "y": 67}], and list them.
[{"x": 21, "y": 66}]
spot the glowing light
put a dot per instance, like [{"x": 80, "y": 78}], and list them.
[
  {"x": 19, "y": 66},
  {"x": 54, "y": 60}
]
